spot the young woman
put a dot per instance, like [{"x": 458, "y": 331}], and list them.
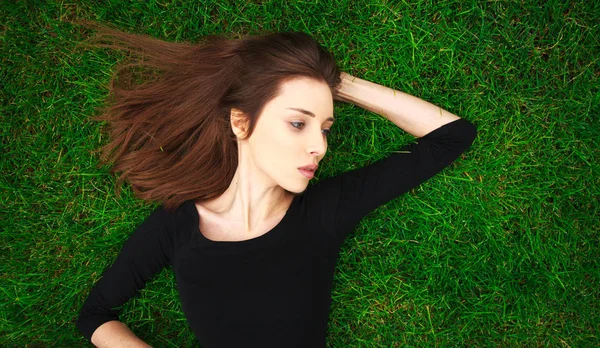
[{"x": 227, "y": 140}]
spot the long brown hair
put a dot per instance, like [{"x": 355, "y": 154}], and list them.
[{"x": 170, "y": 134}]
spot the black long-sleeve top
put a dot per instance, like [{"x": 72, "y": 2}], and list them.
[{"x": 273, "y": 290}]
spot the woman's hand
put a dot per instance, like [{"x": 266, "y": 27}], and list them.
[{"x": 345, "y": 78}]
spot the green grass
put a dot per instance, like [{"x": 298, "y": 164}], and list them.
[{"x": 500, "y": 249}]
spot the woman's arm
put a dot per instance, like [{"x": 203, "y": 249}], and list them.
[
  {"x": 415, "y": 116},
  {"x": 143, "y": 255},
  {"x": 115, "y": 334},
  {"x": 341, "y": 201}
]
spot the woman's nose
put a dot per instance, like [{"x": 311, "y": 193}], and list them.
[{"x": 317, "y": 144}]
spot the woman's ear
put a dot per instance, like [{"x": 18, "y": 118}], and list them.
[{"x": 239, "y": 123}]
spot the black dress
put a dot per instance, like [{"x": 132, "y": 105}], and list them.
[{"x": 273, "y": 290}]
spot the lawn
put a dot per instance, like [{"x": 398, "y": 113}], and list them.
[{"x": 499, "y": 249}]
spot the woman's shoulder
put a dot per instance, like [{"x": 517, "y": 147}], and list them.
[
  {"x": 177, "y": 224},
  {"x": 175, "y": 218},
  {"x": 185, "y": 212}
]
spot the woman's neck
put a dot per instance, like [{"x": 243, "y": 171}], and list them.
[{"x": 250, "y": 201}]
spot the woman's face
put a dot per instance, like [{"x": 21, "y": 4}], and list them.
[{"x": 291, "y": 132}]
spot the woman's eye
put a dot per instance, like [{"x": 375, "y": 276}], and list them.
[{"x": 299, "y": 125}]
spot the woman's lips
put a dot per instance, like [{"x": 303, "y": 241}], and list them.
[{"x": 307, "y": 173}]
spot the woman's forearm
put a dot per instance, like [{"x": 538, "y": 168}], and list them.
[
  {"x": 415, "y": 116},
  {"x": 115, "y": 334}
]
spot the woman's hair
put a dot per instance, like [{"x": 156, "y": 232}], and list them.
[{"x": 170, "y": 135}]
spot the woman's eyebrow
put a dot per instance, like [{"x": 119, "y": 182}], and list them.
[{"x": 306, "y": 112}]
